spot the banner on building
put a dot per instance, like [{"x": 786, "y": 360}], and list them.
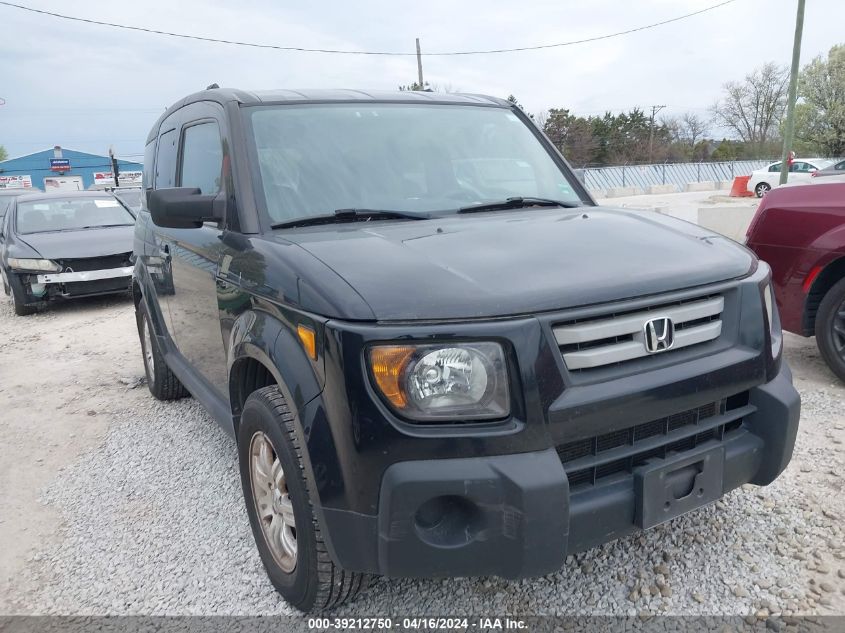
[
  {"x": 106, "y": 178},
  {"x": 16, "y": 182}
]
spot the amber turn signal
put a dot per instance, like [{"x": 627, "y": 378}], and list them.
[
  {"x": 387, "y": 363},
  {"x": 309, "y": 341}
]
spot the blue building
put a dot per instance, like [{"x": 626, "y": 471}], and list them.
[{"x": 59, "y": 168}]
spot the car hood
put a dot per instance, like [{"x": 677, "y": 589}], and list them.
[
  {"x": 95, "y": 242},
  {"x": 527, "y": 261}
]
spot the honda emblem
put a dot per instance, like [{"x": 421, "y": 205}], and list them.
[{"x": 659, "y": 335}]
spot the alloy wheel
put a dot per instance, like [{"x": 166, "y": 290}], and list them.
[
  {"x": 272, "y": 501},
  {"x": 839, "y": 330},
  {"x": 149, "y": 358}
]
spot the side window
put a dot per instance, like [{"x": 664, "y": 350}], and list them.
[
  {"x": 202, "y": 157},
  {"x": 840, "y": 166},
  {"x": 775, "y": 167},
  {"x": 149, "y": 159},
  {"x": 166, "y": 160},
  {"x": 799, "y": 166}
]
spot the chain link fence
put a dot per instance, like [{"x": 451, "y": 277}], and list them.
[{"x": 678, "y": 174}]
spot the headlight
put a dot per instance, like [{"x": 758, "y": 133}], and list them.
[
  {"x": 775, "y": 333},
  {"x": 44, "y": 265},
  {"x": 466, "y": 381}
]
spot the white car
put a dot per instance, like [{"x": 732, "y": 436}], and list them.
[{"x": 763, "y": 180}]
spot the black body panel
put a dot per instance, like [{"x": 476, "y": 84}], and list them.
[{"x": 581, "y": 456}]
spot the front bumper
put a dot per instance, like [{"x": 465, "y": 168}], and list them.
[
  {"x": 516, "y": 516},
  {"x": 38, "y": 289},
  {"x": 90, "y": 275}
]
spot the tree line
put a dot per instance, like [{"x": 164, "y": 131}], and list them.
[{"x": 750, "y": 112}]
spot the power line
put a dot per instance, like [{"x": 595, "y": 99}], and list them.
[{"x": 351, "y": 52}]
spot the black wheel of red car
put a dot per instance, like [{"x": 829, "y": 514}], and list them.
[
  {"x": 762, "y": 189},
  {"x": 286, "y": 530},
  {"x": 830, "y": 329},
  {"x": 161, "y": 380},
  {"x": 19, "y": 296}
]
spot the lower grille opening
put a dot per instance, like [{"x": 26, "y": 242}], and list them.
[
  {"x": 583, "y": 473},
  {"x": 95, "y": 263}
]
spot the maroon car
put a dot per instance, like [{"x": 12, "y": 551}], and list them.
[{"x": 800, "y": 232}]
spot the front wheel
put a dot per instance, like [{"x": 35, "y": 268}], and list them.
[
  {"x": 286, "y": 530},
  {"x": 19, "y": 296},
  {"x": 830, "y": 329},
  {"x": 762, "y": 189}
]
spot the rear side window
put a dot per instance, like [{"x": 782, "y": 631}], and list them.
[
  {"x": 149, "y": 159},
  {"x": 202, "y": 157},
  {"x": 775, "y": 167},
  {"x": 840, "y": 166},
  {"x": 166, "y": 160}
]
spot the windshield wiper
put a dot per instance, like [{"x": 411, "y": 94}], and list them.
[
  {"x": 350, "y": 215},
  {"x": 103, "y": 226},
  {"x": 517, "y": 202}
]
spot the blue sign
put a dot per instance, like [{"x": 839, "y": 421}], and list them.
[{"x": 60, "y": 164}]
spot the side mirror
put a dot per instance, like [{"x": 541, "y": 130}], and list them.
[{"x": 184, "y": 207}]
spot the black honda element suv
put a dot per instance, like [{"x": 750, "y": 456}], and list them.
[{"x": 437, "y": 355}]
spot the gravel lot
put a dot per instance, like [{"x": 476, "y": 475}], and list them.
[{"x": 115, "y": 503}]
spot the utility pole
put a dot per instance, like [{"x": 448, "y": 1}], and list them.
[
  {"x": 654, "y": 110},
  {"x": 789, "y": 128},
  {"x": 114, "y": 170},
  {"x": 419, "y": 66}
]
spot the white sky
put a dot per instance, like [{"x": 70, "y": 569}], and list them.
[{"x": 87, "y": 87}]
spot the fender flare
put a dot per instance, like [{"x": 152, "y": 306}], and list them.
[{"x": 262, "y": 337}]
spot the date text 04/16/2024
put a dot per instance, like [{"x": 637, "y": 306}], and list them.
[{"x": 418, "y": 623}]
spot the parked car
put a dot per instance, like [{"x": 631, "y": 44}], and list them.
[
  {"x": 800, "y": 232},
  {"x": 64, "y": 245},
  {"x": 437, "y": 355},
  {"x": 837, "y": 169},
  {"x": 802, "y": 169}
]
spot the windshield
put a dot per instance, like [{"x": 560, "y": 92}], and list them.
[
  {"x": 70, "y": 214},
  {"x": 315, "y": 159},
  {"x": 130, "y": 197}
]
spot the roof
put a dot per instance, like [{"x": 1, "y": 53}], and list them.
[
  {"x": 814, "y": 159},
  {"x": 52, "y": 195},
  {"x": 256, "y": 97}
]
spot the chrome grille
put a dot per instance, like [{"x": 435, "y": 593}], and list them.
[{"x": 597, "y": 342}]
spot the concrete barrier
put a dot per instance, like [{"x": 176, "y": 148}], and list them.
[
  {"x": 620, "y": 192},
  {"x": 598, "y": 193},
  {"x": 706, "y": 185},
  {"x": 653, "y": 189},
  {"x": 731, "y": 222},
  {"x": 724, "y": 184}
]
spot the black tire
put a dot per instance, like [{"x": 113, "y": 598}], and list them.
[
  {"x": 762, "y": 189},
  {"x": 830, "y": 329},
  {"x": 315, "y": 583},
  {"x": 19, "y": 297},
  {"x": 161, "y": 380}
]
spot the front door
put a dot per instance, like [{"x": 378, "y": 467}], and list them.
[
  {"x": 800, "y": 171},
  {"x": 195, "y": 254}
]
